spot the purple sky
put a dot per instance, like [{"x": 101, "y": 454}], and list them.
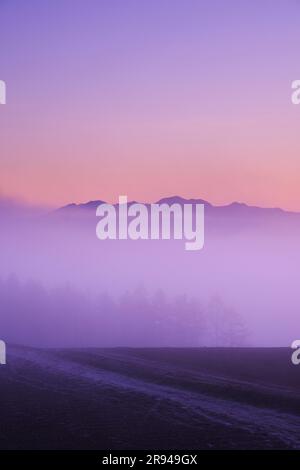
[{"x": 150, "y": 98}]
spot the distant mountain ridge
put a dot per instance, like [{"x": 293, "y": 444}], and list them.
[{"x": 234, "y": 208}]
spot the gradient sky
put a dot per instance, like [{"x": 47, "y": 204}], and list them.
[{"x": 150, "y": 98}]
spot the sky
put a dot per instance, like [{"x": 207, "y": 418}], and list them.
[{"x": 150, "y": 99}]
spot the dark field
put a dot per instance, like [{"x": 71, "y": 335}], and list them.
[{"x": 149, "y": 399}]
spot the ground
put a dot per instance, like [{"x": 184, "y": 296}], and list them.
[{"x": 122, "y": 398}]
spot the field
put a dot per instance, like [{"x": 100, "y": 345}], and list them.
[{"x": 160, "y": 399}]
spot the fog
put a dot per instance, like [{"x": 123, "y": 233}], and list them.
[{"x": 60, "y": 285}]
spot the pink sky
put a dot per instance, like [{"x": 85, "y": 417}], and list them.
[{"x": 150, "y": 99}]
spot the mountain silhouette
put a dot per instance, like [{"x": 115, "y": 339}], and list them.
[{"x": 234, "y": 209}]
